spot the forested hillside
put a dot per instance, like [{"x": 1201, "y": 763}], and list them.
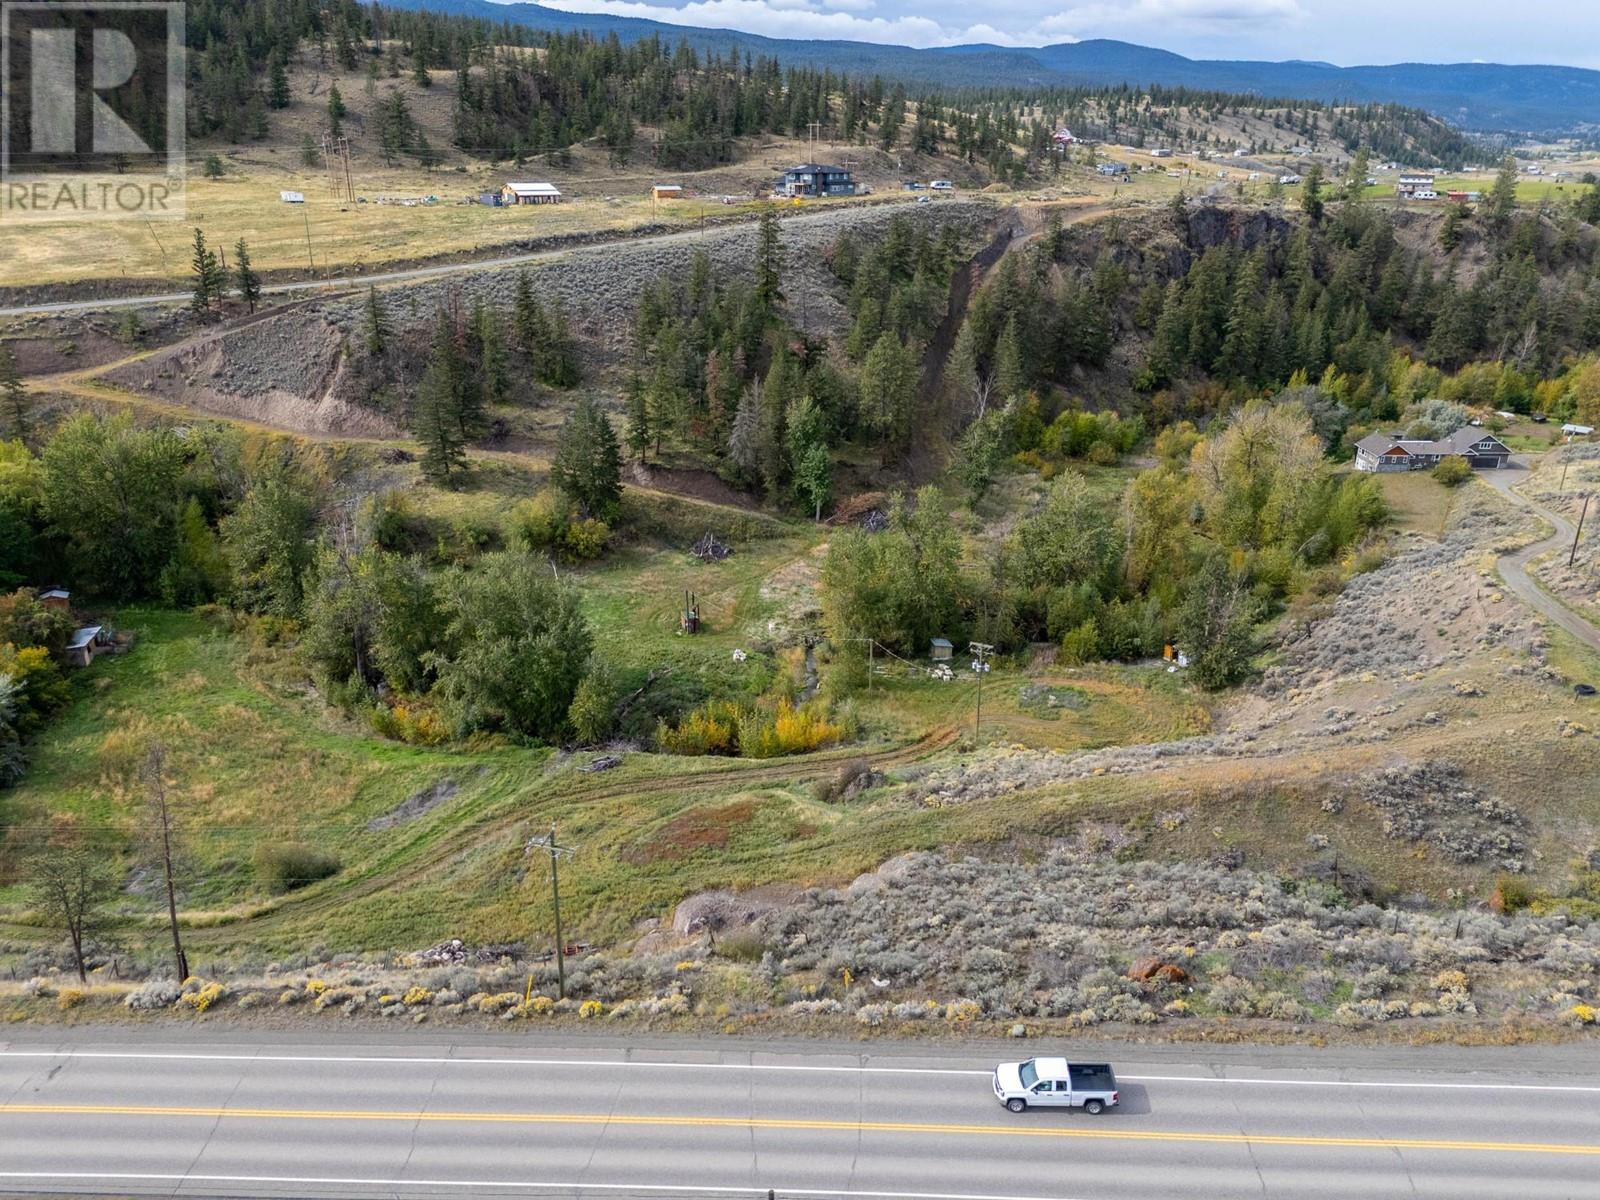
[{"x": 521, "y": 91}]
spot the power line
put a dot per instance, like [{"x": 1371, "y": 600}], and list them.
[{"x": 549, "y": 846}]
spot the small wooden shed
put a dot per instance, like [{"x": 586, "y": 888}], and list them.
[
  {"x": 85, "y": 644},
  {"x": 666, "y": 191},
  {"x": 941, "y": 649}
]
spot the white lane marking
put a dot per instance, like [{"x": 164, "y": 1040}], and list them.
[
  {"x": 614, "y": 1063},
  {"x": 473, "y": 1184}
]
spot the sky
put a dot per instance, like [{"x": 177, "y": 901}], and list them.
[{"x": 1345, "y": 32}]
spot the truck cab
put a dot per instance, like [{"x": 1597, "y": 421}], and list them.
[{"x": 1056, "y": 1083}]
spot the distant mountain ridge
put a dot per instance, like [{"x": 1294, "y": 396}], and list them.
[{"x": 1480, "y": 96}]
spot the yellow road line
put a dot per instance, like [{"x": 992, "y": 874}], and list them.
[{"x": 1019, "y": 1130}]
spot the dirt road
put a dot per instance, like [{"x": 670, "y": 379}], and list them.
[{"x": 1513, "y": 567}]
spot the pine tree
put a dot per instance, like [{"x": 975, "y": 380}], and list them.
[
  {"x": 769, "y": 262},
  {"x": 556, "y": 361},
  {"x": 246, "y": 280},
  {"x": 336, "y": 110},
  {"x": 493, "y": 371},
  {"x": 588, "y": 463},
  {"x": 209, "y": 282},
  {"x": 1311, "y": 202},
  {"x": 1503, "y": 196},
  {"x": 639, "y": 427},
  {"x": 887, "y": 384},
  {"x": 278, "y": 83},
  {"x": 527, "y": 319},
  {"x": 437, "y": 414},
  {"x": 14, "y": 395},
  {"x": 744, "y": 440},
  {"x": 308, "y": 152},
  {"x": 377, "y": 323},
  {"x": 1010, "y": 375}
]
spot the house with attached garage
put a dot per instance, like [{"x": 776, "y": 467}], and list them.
[{"x": 1391, "y": 452}]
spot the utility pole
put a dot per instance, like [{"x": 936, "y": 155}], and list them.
[
  {"x": 1578, "y": 533},
  {"x": 310, "y": 258},
  {"x": 980, "y": 665},
  {"x": 555, "y": 851},
  {"x": 161, "y": 814}
]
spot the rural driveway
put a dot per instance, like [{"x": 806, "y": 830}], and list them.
[
  {"x": 1514, "y": 566},
  {"x": 134, "y": 1113}
]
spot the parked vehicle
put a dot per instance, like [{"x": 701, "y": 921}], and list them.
[
  {"x": 1056, "y": 1083},
  {"x": 942, "y": 185}
]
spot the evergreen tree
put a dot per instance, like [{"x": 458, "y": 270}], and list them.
[
  {"x": 1503, "y": 196},
  {"x": 556, "y": 359},
  {"x": 744, "y": 439},
  {"x": 376, "y": 322},
  {"x": 246, "y": 281},
  {"x": 278, "y": 83},
  {"x": 309, "y": 156},
  {"x": 888, "y": 384},
  {"x": 1010, "y": 376},
  {"x": 14, "y": 395},
  {"x": 441, "y": 417},
  {"x": 336, "y": 110},
  {"x": 769, "y": 261},
  {"x": 493, "y": 369},
  {"x": 587, "y": 468},
  {"x": 209, "y": 282},
  {"x": 639, "y": 427},
  {"x": 1311, "y": 202}
]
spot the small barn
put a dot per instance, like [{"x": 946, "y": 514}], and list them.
[
  {"x": 530, "y": 193},
  {"x": 941, "y": 649},
  {"x": 56, "y": 599},
  {"x": 667, "y": 191}
]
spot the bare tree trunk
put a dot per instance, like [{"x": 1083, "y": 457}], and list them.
[{"x": 161, "y": 813}]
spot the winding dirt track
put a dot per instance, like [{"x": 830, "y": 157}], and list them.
[{"x": 1513, "y": 567}]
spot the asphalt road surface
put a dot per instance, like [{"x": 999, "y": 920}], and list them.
[{"x": 289, "y": 1118}]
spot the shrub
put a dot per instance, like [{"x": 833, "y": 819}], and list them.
[
  {"x": 285, "y": 866},
  {"x": 417, "y": 995},
  {"x": 711, "y": 729},
  {"x": 589, "y": 1009},
  {"x": 962, "y": 1012},
  {"x": 69, "y": 998},
  {"x": 1583, "y": 1014},
  {"x": 584, "y": 540},
  {"x": 1081, "y": 644},
  {"x": 788, "y": 731},
  {"x": 151, "y": 995},
  {"x": 416, "y": 724},
  {"x": 203, "y": 997},
  {"x": 539, "y": 523},
  {"x": 1452, "y": 471}
]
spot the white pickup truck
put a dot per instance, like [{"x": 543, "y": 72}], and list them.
[{"x": 1055, "y": 1083}]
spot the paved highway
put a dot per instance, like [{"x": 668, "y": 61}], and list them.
[{"x": 287, "y": 1118}]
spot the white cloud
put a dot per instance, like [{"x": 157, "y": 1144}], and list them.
[{"x": 778, "y": 18}]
